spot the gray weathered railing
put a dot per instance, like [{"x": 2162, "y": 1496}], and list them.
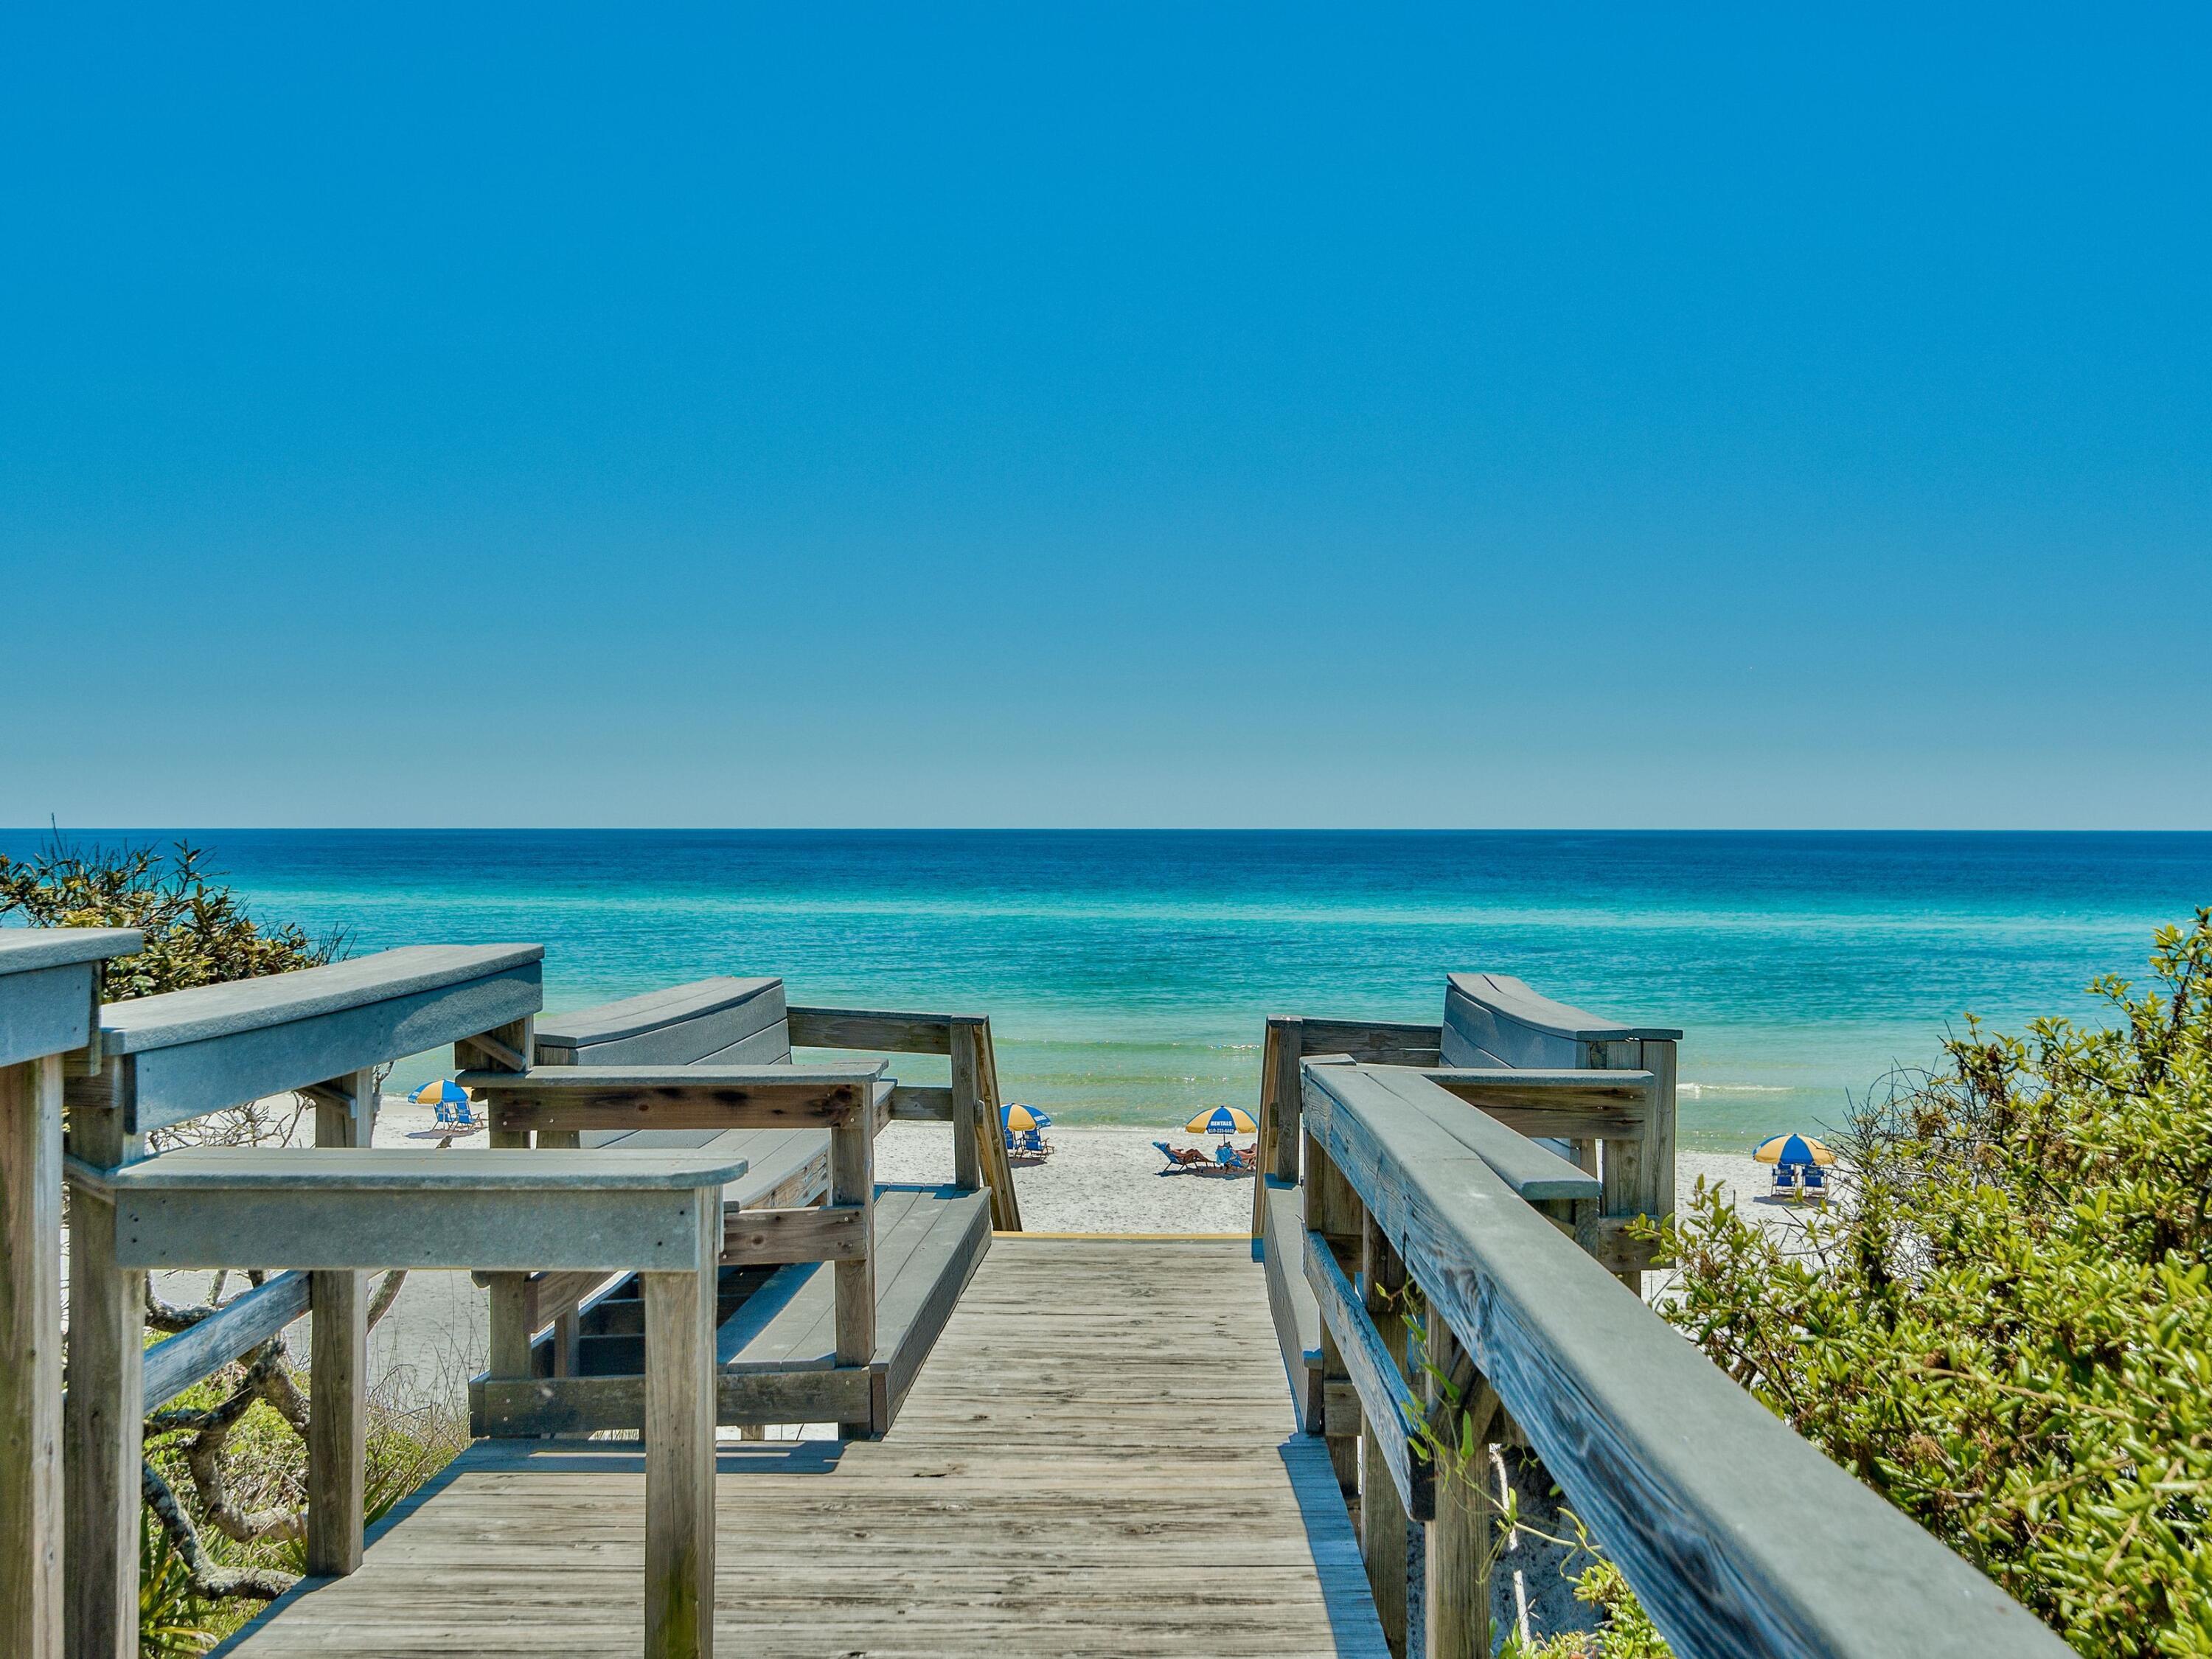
[
  {"x": 49, "y": 1008},
  {"x": 1740, "y": 1538},
  {"x": 328, "y": 1216},
  {"x": 1526, "y": 1061}
]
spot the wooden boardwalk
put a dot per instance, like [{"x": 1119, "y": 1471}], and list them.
[{"x": 1100, "y": 1458}]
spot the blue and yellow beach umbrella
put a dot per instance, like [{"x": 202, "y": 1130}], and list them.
[
  {"x": 1793, "y": 1149},
  {"x": 1019, "y": 1118},
  {"x": 1221, "y": 1121},
  {"x": 444, "y": 1092}
]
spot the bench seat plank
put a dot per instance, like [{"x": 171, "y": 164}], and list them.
[
  {"x": 783, "y": 1167},
  {"x": 789, "y": 1323}
]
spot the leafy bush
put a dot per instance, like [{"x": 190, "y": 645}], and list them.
[
  {"x": 2006, "y": 1328},
  {"x": 197, "y": 932}
]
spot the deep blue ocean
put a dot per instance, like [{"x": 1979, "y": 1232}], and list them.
[{"x": 1126, "y": 973}]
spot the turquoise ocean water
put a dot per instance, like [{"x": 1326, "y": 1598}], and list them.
[{"x": 1128, "y": 973}]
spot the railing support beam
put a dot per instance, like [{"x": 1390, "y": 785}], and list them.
[
  {"x": 679, "y": 1448},
  {"x": 853, "y": 1184},
  {"x": 1382, "y": 1520},
  {"x": 31, "y": 1359},
  {"x": 1456, "y": 1540},
  {"x": 103, "y": 1431},
  {"x": 337, "y": 1376},
  {"x": 507, "y": 1316},
  {"x": 1334, "y": 1211}
]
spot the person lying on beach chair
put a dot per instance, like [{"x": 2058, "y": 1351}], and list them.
[
  {"x": 1183, "y": 1158},
  {"x": 1231, "y": 1160}
]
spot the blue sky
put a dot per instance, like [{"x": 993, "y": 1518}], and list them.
[{"x": 1108, "y": 414}]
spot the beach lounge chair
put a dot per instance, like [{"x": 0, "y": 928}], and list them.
[
  {"x": 455, "y": 1114},
  {"x": 1183, "y": 1158},
  {"x": 1814, "y": 1184},
  {"x": 1785, "y": 1181}
]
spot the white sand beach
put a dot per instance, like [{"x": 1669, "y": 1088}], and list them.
[{"x": 1105, "y": 1180}]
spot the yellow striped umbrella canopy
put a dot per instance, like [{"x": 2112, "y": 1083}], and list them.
[
  {"x": 1793, "y": 1149},
  {"x": 1020, "y": 1117},
  {"x": 1222, "y": 1120}
]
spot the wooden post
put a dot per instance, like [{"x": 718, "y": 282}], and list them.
[
  {"x": 679, "y": 1448},
  {"x": 337, "y": 1376},
  {"x": 1290, "y": 1104},
  {"x": 852, "y": 1181},
  {"x": 1383, "y": 1519},
  {"x": 568, "y": 1326},
  {"x": 1660, "y": 1058},
  {"x": 31, "y": 1359},
  {"x": 973, "y": 1031},
  {"x": 968, "y": 1129},
  {"x": 1279, "y": 1116},
  {"x": 1334, "y": 1211},
  {"x": 102, "y": 1425},
  {"x": 1456, "y": 1603},
  {"x": 508, "y": 1315},
  {"x": 1623, "y": 1172}
]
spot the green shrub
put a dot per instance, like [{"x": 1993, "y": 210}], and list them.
[
  {"x": 197, "y": 932},
  {"x": 2005, "y": 1327}
]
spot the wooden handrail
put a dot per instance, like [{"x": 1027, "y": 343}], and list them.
[
  {"x": 229, "y": 1332},
  {"x": 874, "y": 1030},
  {"x": 1740, "y": 1538},
  {"x": 219, "y": 1046}
]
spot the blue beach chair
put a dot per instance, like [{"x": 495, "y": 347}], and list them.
[{"x": 1786, "y": 1180}]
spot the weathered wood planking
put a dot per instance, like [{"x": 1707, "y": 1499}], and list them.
[
  {"x": 1740, "y": 1538},
  {"x": 1049, "y": 1489},
  {"x": 719, "y": 1020},
  {"x": 1494, "y": 1019},
  {"x": 828, "y": 1232},
  {"x": 194, "y": 1052},
  {"x": 603, "y": 1098},
  {"x": 1385, "y": 1042},
  {"x": 865, "y": 1029}
]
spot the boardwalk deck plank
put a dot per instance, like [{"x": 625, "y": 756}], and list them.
[{"x": 1099, "y": 1459}]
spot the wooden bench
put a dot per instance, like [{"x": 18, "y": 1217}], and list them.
[
  {"x": 49, "y": 1008},
  {"x": 710, "y": 1065},
  {"x": 1527, "y": 1063}
]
